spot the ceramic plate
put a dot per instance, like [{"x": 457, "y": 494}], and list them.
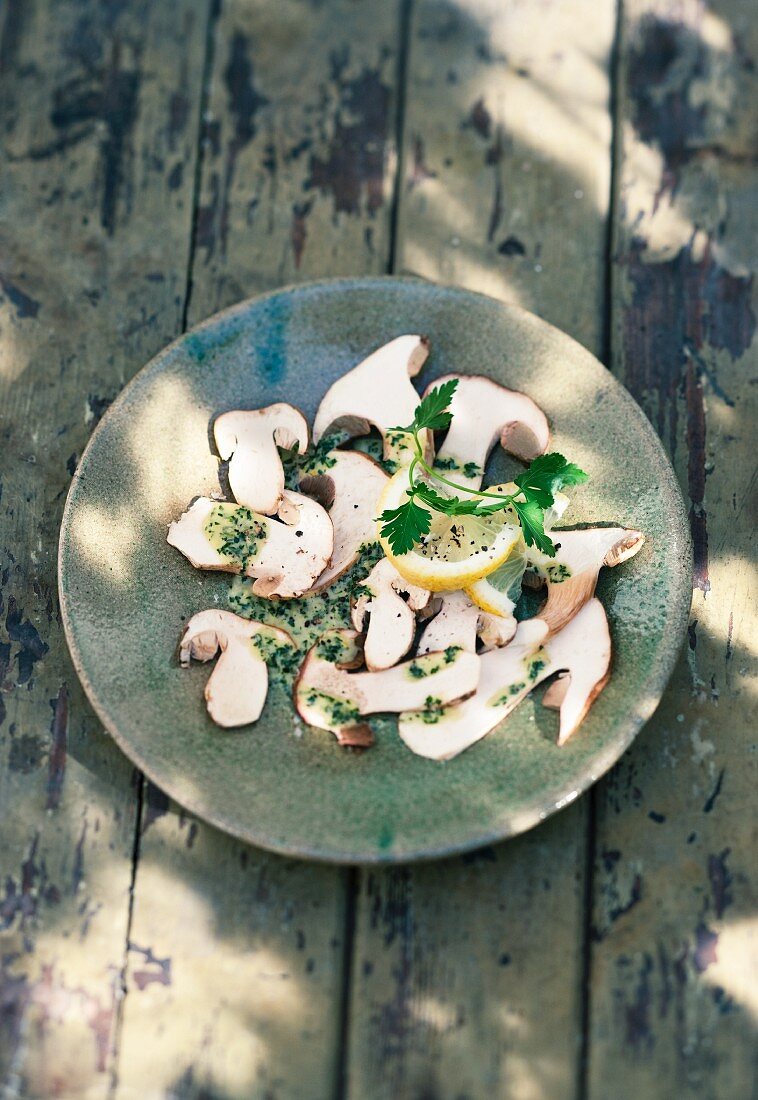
[{"x": 125, "y": 593}]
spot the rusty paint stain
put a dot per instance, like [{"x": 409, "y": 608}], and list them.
[
  {"x": 57, "y": 759},
  {"x": 637, "y": 1015},
  {"x": 678, "y": 307},
  {"x": 299, "y": 232},
  {"x": 354, "y": 161},
  {"x": 720, "y": 879},
  {"x": 420, "y": 171},
  {"x": 695, "y": 436},
  {"x": 155, "y": 971}
]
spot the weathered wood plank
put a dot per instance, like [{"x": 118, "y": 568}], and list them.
[
  {"x": 299, "y": 148},
  {"x": 99, "y": 114},
  {"x": 674, "y": 959},
  {"x": 467, "y": 974},
  {"x": 296, "y": 182}
]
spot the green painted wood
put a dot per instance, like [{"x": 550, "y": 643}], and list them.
[
  {"x": 467, "y": 974},
  {"x": 297, "y": 171},
  {"x": 674, "y": 959},
  {"x": 99, "y": 119}
]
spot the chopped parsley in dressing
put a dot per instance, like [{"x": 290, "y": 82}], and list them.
[
  {"x": 307, "y": 618},
  {"x": 236, "y": 532}
]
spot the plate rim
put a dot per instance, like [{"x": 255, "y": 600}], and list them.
[{"x": 538, "y": 809}]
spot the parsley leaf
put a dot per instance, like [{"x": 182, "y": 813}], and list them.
[
  {"x": 403, "y": 527},
  {"x": 546, "y": 475},
  {"x": 531, "y": 516},
  {"x": 431, "y": 411}
]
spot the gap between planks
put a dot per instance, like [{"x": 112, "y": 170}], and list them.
[
  {"x": 207, "y": 70},
  {"x": 354, "y": 875}
]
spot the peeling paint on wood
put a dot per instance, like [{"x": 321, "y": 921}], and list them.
[
  {"x": 673, "y": 979},
  {"x": 82, "y": 87}
]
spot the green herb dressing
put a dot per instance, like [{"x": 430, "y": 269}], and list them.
[{"x": 306, "y": 619}]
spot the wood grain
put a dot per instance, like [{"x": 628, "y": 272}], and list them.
[
  {"x": 674, "y": 958},
  {"x": 236, "y": 957},
  {"x": 467, "y": 975},
  {"x": 99, "y": 118}
]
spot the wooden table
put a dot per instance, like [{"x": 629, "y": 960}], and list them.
[{"x": 164, "y": 158}]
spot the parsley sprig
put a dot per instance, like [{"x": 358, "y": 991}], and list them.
[{"x": 406, "y": 526}]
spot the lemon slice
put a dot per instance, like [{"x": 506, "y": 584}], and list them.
[
  {"x": 458, "y": 549},
  {"x": 498, "y": 591}
]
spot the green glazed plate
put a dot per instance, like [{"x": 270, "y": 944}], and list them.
[{"x": 125, "y": 593}]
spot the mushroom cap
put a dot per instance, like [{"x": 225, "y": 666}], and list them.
[
  {"x": 458, "y": 621},
  {"x": 290, "y": 552},
  {"x": 391, "y": 619},
  {"x": 378, "y": 392},
  {"x": 484, "y": 412},
  {"x": 329, "y": 696},
  {"x": 250, "y": 438},
  {"x": 350, "y": 491},
  {"x": 236, "y": 689},
  {"x": 581, "y": 652}
]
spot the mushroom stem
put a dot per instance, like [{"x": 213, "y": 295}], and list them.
[
  {"x": 391, "y": 619},
  {"x": 236, "y": 689},
  {"x": 250, "y": 440},
  {"x": 349, "y": 489},
  {"x": 330, "y": 696},
  {"x": 581, "y": 651},
  {"x": 458, "y": 621},
  {"x": 572, "y": 574}
]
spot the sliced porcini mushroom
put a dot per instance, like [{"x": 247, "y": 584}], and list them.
[
  {"x": 391, "y": 619},
  {"x": 237, "y": 687},
  {"x": 378, "y": 393},
  {"x": 349, "y": 489},
  {"x": 284, "y": 555},
  {"x": 571, "y": 576},
  {"x": 458, "y": 621},
  {"x": 483, "y": 413},
  {"x": 330, "y": 696},
  {"x": 250, "y": 439},
  {"x": 581, "y": 652}
]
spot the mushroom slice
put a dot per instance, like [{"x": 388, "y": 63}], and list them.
[
  {"x": 459, "y": 621},
  {"x": 237, "y": 687},
  {"x": 581, "y": 651},
  {"x": 284, "y": 555},
  {"x": 378, "y": 393},
  {"x": 331, "y": 697},
  {"x": 572, "y": 574},
  {"x": 349, "y": 490},
  {"x": 484, "y": 412},
  {"x": 391, "y": 620},
  {"x": 250, "y": 439}
]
